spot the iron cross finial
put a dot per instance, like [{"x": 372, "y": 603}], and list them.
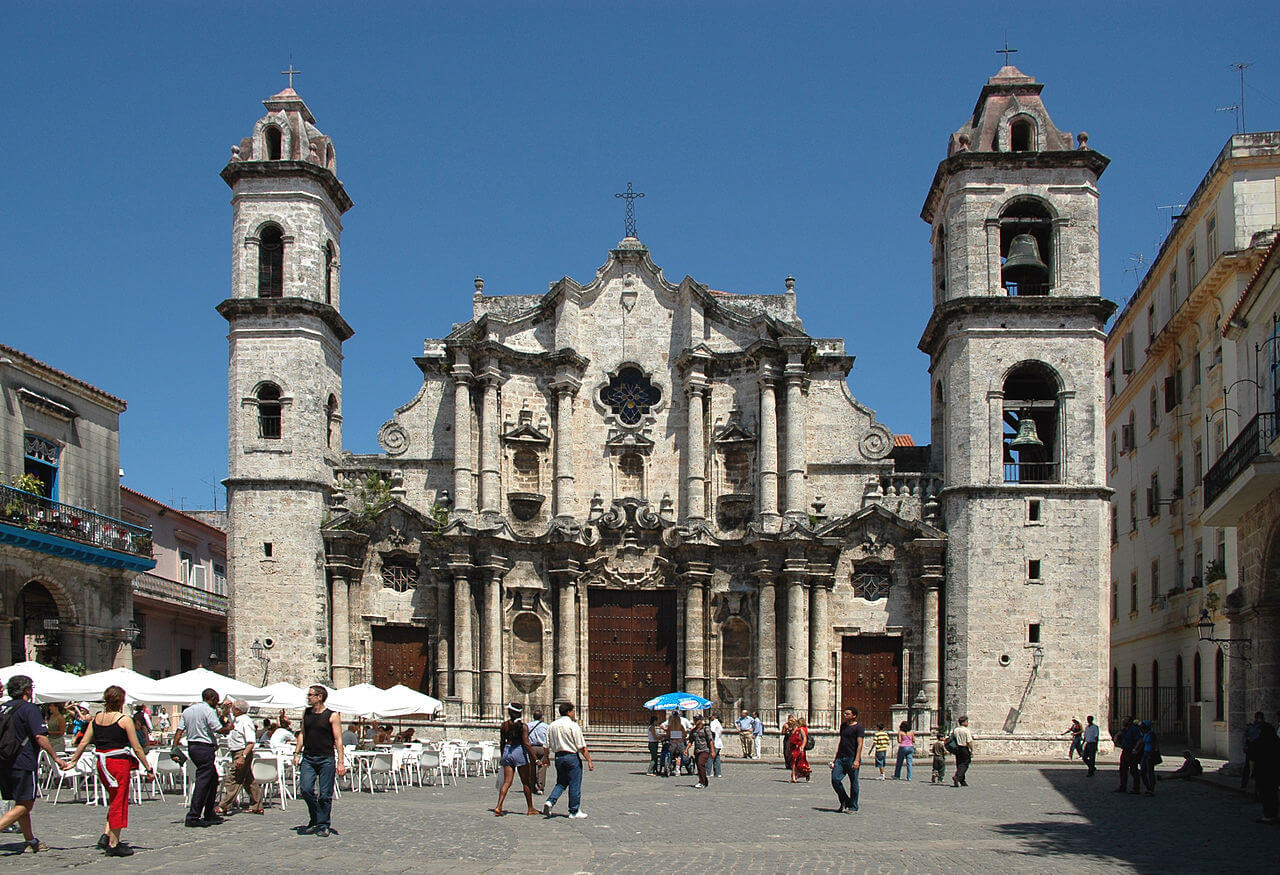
[
  {"x": 290, "y": 73},
  {"x": 1006, "y": 51},
  {"x": 630, "y": 197}
]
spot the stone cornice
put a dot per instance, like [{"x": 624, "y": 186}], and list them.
[
  {"x": 1016, "y": 161},
  {"x": 1098, "y": 309},
  {"x": 237, "y": 170},
  {"x": 233, "y": 308}
]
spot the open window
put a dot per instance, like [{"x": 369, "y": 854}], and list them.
[
  {"x": 275, "y": 142},
  {"x": 269, "y": 408},
  {"x": 1026, "y": 248},
  {"x": 270, "y": 262},
  {"x": 1031, "y": 451},
  {"x": 1022, "y": 135}
]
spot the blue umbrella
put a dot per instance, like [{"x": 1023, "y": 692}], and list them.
[{"x": 677, "y": 702}]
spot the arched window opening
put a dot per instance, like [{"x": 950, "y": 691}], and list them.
[
  {"x": 737, "y": 471},
  {"x": 1115, "y": 693},
  {"x": 275, "y": 142},
  {"x": 525, "y": 470},
  {"x": 399, "y": 572},
  {"x": 1197, "y": 682},
  {"x": 735, "y": 648},
  {"x": 38, "y": 638},
  {"x": 269, "y": 409},
  {"x": 271, "y": 262},
  {"x": 40, "y": 460},
  {"x": 328, "y": 156},
  {"x": 331, "y": 421},
  {"x": 631, "y": 475},
  {"x": 1026, "y": 248},
  {"x": 328, "y": 273},
  {"x": 1031, "y": 425},
  {"x": 526, "y": 644},
  {"x": 1021, "y": 135},
  {"x": 1133, "y": 689},
  {"x": 1219, "y": 687},
  {"x": 630, "y": 395}
]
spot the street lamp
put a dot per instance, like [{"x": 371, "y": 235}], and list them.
[
  {"x": 131, "y": 632},
  {"x": 1205, "y": 630},
  {"x": 260, "y": 653}
]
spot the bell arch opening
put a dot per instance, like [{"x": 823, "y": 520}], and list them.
[
  {"x": 1026, "y": 247},
  {"x": 275, "y": 142},
  {"x": 1022, "y": 135},
  {"x": 1031, "y": 425}
]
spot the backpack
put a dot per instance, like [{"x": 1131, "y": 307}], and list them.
[
  {"x": 12, "y": 737},
  {"x": 810, "y": 743},
  {"x": 952, "y": 745}
]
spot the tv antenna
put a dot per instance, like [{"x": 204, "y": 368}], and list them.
[
  {"x": 1175, "y": 211},
  {"x": 1136, "y": 262},
  {"x": 1242, "y": 66}
]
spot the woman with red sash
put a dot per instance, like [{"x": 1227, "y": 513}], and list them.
[{"x": 117, "y": 749}]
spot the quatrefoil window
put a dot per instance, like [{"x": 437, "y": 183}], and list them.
[
  {"x": 630, "y": 395},
  {"x": 871, "y": 584}
]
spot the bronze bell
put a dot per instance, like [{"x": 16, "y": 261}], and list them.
[
  {"x": 1027, "y": 436},
  {"x": 1023, "y": 266}
]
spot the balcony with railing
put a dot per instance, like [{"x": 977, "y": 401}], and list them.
[
  {"x": 1031, "y": 472},
  {"x": 182, "y": 594},
  {"x": 47, "y": 526},
  {"x": 1244, "y": 474}
]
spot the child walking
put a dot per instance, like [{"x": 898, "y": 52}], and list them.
[
  {"x": 939, "y": 751},
  {"x": 880, "y": 743}
]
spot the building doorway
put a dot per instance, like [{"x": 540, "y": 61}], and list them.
[
  {"x": 39, "y": 631},
  {"x": 632, "y": 651},
  {"x": 871, "y": 676},
  {"x": 402, "y": 655}
]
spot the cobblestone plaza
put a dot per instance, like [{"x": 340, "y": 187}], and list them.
[{"x": 1012, "y": 818}]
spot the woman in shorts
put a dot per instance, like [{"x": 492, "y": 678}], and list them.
[{"x": 516, "y": 757}]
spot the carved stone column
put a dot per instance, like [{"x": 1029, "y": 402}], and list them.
[
  {"x": 766, "y": 637},
  {"x": 463, "y": 662},
  {"x": 819, "y": 652},
  {"x": 490, "y": 437},
  {"x": 768, "y": 449},
  {"x": 992, "y": 228},
  {"x": 444, "y": 635},
  {"x": 931, "y": 669},
  {"x": 566, "y": 576},
  {"x": 566, "y": 500},
  {"x": 491, "y": 673},
  {"x": 695, "y": 452},
  {"x": 794, "y": 462},
  {"x": 462, "y": 497},
  {"x": 797, "y": 649},
  {"x": 696, "y": 576},
  {"x": 340, "y": 625}
]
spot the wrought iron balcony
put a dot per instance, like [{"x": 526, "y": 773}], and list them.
[
  {"x": 1031, "y": 472},
  {"x": 39, "y": 523},
  {"x": 155, "y": 586},
  {"x": 1253, "y": 441}
]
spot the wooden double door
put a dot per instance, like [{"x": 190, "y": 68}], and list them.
[
  {"x": 401, "y": 655},
  {"x": 871, "y": 677},
  {"x": 632, "y": 646}
]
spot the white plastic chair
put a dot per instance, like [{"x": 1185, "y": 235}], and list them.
[
  {"x": 167, "y": 770},
  {"x": 266, "y": 771},
  {"x": 430, "y": 761},
  {"x": 383, "y": 764},
  {"x": 477, "y": 757}
]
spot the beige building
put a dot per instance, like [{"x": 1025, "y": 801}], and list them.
[
  {"x": 1178, "y": 392},
  {"x": 180, "y": 606},
  {"x": 618, "y": 488},
  {"x": 66, "y": 556}
]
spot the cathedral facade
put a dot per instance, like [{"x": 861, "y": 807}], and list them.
[{"x": 620, "y": 488}]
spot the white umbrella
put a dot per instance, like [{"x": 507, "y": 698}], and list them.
[
  {"x": 416, "y": 703},
  {"x": 283, "y": 695},
  {"x": 186, "y": 688},
  {"x": 50, "y": 685},
  {"x": 91, "y": 686},
  {"x": 361, "y": 700}
]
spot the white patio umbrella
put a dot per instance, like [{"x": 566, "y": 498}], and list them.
[
  {"x": 185, "y": 688},
  {"x": 360, "y": 700},
  {"x": 407, "y": 701},
  {"x": 50, "y": 685},
  {"x": 91, "y": 686},
  {"x": 283, "y": 695}
]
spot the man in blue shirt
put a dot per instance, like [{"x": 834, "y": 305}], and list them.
[
  {"x": 18, "y": 779},
  {"x": 757, "y": 734},
  {"x": 538, "y": 730},
  {"x": 744, "y": 733},
  {"x": 202, "y": 723},
  {"x": 1129, "y": 757}
]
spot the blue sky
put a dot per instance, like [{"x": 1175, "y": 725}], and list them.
[{"x": 489, "y": 138}]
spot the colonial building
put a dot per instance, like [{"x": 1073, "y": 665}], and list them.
[
  {"x": 632, "y": 485},
  {"x": 1178, "y": 391},
  {"x": 66, "y": 557}
]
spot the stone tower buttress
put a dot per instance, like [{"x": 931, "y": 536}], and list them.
[
  {"x": 1015, "y": 344},
  {"x": 284, "y": 389}
]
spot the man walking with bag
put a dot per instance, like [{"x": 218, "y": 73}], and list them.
[{"x": 24, "y": 730}]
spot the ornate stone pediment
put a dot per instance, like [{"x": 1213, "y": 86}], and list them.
[
  {"x": 628, "y": 568},
  {"x": 621, "y": 442},
  {"x": 733, "y": 434},
  {"x": 526, "y": 433}
]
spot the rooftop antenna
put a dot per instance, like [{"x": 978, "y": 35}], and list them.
[
  {"x": 1233, "y": 108},
  {"x": 1173, "y": 216},
  {"x": 1136, "y": 261},
  {"x": 1242, "y": 66}
]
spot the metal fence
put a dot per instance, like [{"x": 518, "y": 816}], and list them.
[
  {"x": 1167, "y": 708},
  {"x": 1253, "y": 441},
  {"x": 148, "y": 584},
  {"x": 40, "y": 514}
]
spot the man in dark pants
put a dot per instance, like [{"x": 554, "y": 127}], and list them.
[
  {"x": 964, "y": 752},
  {"x": 1090, "y": 752},
  {"x": 848, "y": 760},
  {"x": 202, "y": 723},
  {"x": 1265, "y": 755},
  {"x": 1125, "y": 740}
]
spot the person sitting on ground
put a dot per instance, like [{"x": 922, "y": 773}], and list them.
[{"x": 1189, "y": 769}]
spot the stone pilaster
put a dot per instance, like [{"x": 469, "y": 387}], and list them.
[
  {"x": 793, "y": 447},
  {"x": 490, "y": 438},
  {"x": 820, "y": 648},
  {"x": 565, "y": 573},
  {"x": 444, "y": 634},
  {"x": 491, "y": 673},
  {"x": 766, "y": 636},
  {"x": 931, "y": 669},
  {"x": 796, "y": 682},
  {"x": 695, "y": 445},
  {"x": 566, "y": 499},
  {"x": 340, "y": 624},
  {"x": 463, "y": 655},
  {"x": 696, "y": 577},
  {"x": 768, "y": 449},
  {"x": 462, "y": 464}
]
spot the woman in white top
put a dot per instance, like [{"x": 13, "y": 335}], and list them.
[{"x": 675, "y": 742}]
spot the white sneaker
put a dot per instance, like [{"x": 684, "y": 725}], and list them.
[
  {"x": 546, "y": 809},
  {"x": 579, "y": 815}
]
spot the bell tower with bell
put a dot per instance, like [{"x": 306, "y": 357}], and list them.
[{"x": 1015, "y": 344}]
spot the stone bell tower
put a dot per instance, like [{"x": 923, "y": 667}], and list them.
[
  {"x": 1017, "y": 380},
  {"x": 284, "y": 389}
]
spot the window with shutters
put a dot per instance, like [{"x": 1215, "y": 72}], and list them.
[
  {"x": 269, "y": 407},
  {"x": 270, "y": 262}
]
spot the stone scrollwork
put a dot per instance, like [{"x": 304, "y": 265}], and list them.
[
  {"x": 877, "y": 442},
  {"x": 393, "y": 438}
]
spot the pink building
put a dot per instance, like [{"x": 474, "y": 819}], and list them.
[{"x": 180, "y": 606}]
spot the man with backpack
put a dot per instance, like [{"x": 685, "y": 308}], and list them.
[
  {"x": 961, "y": 746},
  {"x": 22, "y": 730}
]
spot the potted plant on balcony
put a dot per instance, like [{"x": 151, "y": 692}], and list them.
[
  {"x": 23, "y": 510},
  {"x": 1214, "y": 570}
]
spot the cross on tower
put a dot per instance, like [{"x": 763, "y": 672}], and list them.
[
  {"x": 630, "y": 196},
  {"x": 1006, "y": 51},
  {"x": 290, "y": 73}
]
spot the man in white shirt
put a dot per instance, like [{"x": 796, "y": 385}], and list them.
[
  {"x": 1090, "y": 753},
  {"x": 717, "y": 749},
  {"x": 569, "y": 748},
  {"x": 964, "y": 752},
  {"x": 745, "y": 734},
  {"x": 240, "y": 743},
  {"x": 283, "y": 738}
]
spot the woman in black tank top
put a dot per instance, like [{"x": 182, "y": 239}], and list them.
[
  {"x": 117, "y": 751},
  {"x": 516, "y": 757}
]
